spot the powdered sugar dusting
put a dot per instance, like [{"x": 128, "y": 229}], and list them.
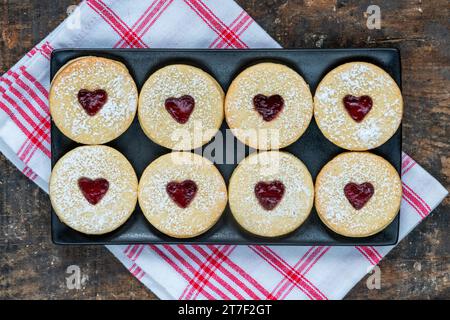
[
  {"x": 93, "y": 73},
  {"x": 358, "y": 79},
  {"x": 269, "y": 79},
  {"x": 293, "y": 208},
  {"x": 336, "y": 210},
  {"x": 163, "y": 213},
  {"x": 93, "y": 162},
  {"x": 176, "y": 81}
]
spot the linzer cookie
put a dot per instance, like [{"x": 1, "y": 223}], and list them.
[
  {"x": 358, "y": 106},
  {"x": 181, "y": 107},
  {"x": 268, "y": 106},
  {"x": 93, "y": 189},
  {"x": 271, "y": 193},
  {"x": 182, "y": 194},
  {"x": 93, "y": 100},
  {"x": 358, "y": 194}
]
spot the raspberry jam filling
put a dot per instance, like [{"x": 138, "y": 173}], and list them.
[
  {"x": 182, "y": 193},
  {"x": 92, "y": 101},
  {"x": 269, "y": 194},
  {"x": 93, "y": 190},
  {"x": 357, "y": 107},
  {"x": 268, "y": 107},
  {"x": 358, "y": 194},
  {"x": 180, "y": 108}
]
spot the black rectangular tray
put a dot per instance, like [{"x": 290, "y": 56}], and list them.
[{"x": 312, "y": 148}]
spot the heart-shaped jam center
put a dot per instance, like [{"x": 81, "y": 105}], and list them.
[
  {"x": 92, "y": 101},
  {"x": 357, "y": 107},
  {"x": 358, "y": 194},
  {"x": 93, "y": 190},
  {"x": 182, "y": 193},
  {"x": 269, "y": 194},
  {"x": 180, "y": 108},
  {"x": 268, "y": 107}
]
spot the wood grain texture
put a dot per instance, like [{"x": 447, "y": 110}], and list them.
[{"x": 32, "y": 267}]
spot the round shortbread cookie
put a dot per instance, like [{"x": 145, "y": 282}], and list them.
[
  {"x": 93, "y": 189},
  {"x": 93, "y": 100},
  {"x": 358, "y": 106},
  {"x": 182, "y": 194},
  {"x": 268, "y": 106},
  {"x": 181, "y": 107},
  {"x": 358, "y": 194},
  {"x": 271, "y": 193}
]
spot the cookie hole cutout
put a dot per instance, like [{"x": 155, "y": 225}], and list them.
[
  {"x": 180, "y": 108},
  {"x": 358, "y": 194},
  {"x": 92, "y": 101},
  {"x": 268, "y": 107},
  {"x": 269, "y": 194},
  {"x": 357, "y": 107},
  {"x": 182, "y": 193},
  {"x": 93, "y": 190}
]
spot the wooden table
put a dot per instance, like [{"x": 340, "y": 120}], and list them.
[{"x": 32, "y": 267}]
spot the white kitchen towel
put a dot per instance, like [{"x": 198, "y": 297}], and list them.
[{"x": 187, "y": 271}]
